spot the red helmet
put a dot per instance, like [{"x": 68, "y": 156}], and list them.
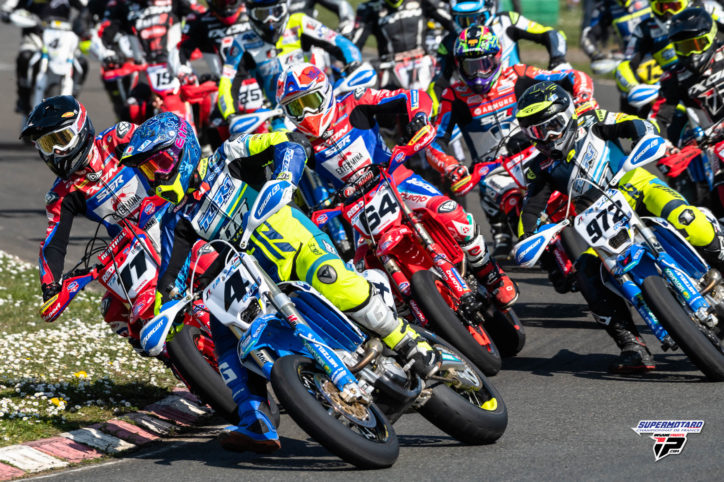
[
  {"x": 306, "y": 95},
  {"x": 227, "y": 11}
]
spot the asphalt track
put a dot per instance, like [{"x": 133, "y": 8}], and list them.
[{"x": 569, "y": 419}]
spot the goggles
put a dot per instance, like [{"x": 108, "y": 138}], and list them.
[
  {"x": 661, "y": 8},
  {"x": 694, "y": 45},
  {"x": 549, "y": 128},
  {"x": 56, "y": 142},
  {"x": 479, "y": 66},
  {"x": 465, "y": 21},
  {"x": 158, "y": 167},
  {"x": 273, "y": 13},
  {"x": 310, "y": 103}
]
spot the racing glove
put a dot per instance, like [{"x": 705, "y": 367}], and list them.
[
  {"x": 460, "y": 180},
  {"x": 418, "y": 122},
  {"x": 50, "y": 290}
]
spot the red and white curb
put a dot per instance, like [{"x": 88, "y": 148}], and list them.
[{"x": 157, "y": 420}]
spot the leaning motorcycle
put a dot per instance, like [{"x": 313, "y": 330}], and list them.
[{"x": 645, "y": 260}]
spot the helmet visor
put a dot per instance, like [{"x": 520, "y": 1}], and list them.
[
  {"x": 479, "y": 66},
  {"x": 158, "y": 167},
  {"x": 268, "y": 14},
  {"x": 309, "y": 103},
  {"x": 56, "y": 142},
  {"x": 694, "y": 45},
  {"x": 464, "y": 21},
  {"x": 662, "y": 8},
  {"x": 552, "y": 128}
]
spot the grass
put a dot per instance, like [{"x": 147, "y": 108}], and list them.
[{"x": 69, "y": 374}]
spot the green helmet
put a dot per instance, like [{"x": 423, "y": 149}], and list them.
[{"x": 547, "y": 116}]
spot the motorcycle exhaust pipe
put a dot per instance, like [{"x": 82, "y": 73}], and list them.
[{"x": 373, "y": 350}]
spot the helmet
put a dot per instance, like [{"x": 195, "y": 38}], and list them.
[
  {"x": 227, "y": 11},
  {"x": 547, "y": 115},
  {"x": 394, "y": 3},
  {"x": 477, "y": 56},
  {"x": 306, "y": 95},
  {"x": 470, "y": 12},
  {"x": 624, "y": 3},
  {"x": 268, "y": 18},
  {"x": 62, "y": 132},
  {"x": 667, "y": 8},
  {"x": 167, "y": 152},
  {"x": 693, "y": 33}
]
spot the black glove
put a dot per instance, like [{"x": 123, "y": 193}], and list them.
[
  {"x": 50, "y": 290},
  {"x": 418, "y": 122},
  {"x": 556, "y": 61}
]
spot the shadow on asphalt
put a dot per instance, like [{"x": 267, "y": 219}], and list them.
[
  {"x": 20, "y": 213},
  {"x": 670, "y": 367}
]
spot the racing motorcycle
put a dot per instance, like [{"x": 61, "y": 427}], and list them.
[
  {"x": 55, "y": 65},
  {"x": 645, "y": 260},
  {"x": 424, "y": 263},
  {"x": 339, "y": 384},
  {"x": 127, "y": 267}
]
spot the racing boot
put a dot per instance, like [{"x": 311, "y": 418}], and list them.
[
  {"x": 489, "y": 273},
  {"x": 635, "y": 357},
  {"x": 22, "y": 106},
  {"x": 255, "y": 431},
  {"x": 376, "y": 316},
  {"x": 502, "y": 241}
]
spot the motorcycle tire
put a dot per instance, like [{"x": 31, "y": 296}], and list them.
[
  {"x": 506, "y": 330},
  {"x": 296, "y": 381},
  {"x": 203, "y": 380},
  {"x": 459, "y": 412},
  {"x": 443, "y": 320},
  {"x": 675, "y": 319}
]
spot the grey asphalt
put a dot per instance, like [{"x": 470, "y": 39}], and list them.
[{"x": 569, "y": 419}]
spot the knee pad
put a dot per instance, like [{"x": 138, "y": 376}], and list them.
[{"x": 375, "y": 315}]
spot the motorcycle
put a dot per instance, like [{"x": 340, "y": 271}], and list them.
[
  {"x": 55, "y": 65},
  {"x": 127, "y": 267},
  {"x": 420, "y": 257},
  {"x": 645, "y": 260},
  {"x": 341, "y": 386}
]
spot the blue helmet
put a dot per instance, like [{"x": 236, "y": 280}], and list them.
[
  {"x": 471, "y": 12},
  {"x": 167, "y": 152}
]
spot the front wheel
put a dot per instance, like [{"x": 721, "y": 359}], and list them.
[
  {"x": 473, "y": 341},
  {"x": 703, "y": 350},
  {"x": 357, "y": 433},
  {"x": 465, "y": 405},
  {"x": 506, "y": 330}
]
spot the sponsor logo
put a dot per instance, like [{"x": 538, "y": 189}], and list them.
[
  {"x": 73, "y": 287},
  {"x": 447, "y": 207},
  {"x": 669, "y": 436}
]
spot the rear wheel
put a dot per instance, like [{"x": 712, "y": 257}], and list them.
[
  {"x": 466, "y": 405},
  {"x": 472, "y": 341},
  {"x": 357, "y": 433},
  {"x": 699, "y": 343},
  {"x": 199, "y": 372}
]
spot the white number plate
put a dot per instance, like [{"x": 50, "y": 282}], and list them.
[
  {"x": 604, "y": 220},
  {"x": 160, "y": 78},
  {"x": 379, "y": 212}
]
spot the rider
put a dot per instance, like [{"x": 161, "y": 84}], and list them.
[
  {"x": 213, "y": 195},
  {"x": 277, "y": 38},
  {"x": 546, "y": 114},
  {"x": 44, "y": 10},
  {"x": 650, "y": 39},
  {"x": 156, "y": 26},
  {"x": 90, "y": 183},
  {"x": 344, "y": 134},
  {"x": 509, "y": 27},
  {"x": 398, "y": 26},
  {"x": 482, "y": 106},
  {"x": 341, "y": 8}
]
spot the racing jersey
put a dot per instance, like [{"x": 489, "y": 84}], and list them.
[
  {"x": 609, "y": 13},
  {"x": 703, "y": 91},
  {"x": 509, "y": 27},
  {"x": 105, "y": 192},
  {"x": 341, "y": 8},
  {"x": 547, "y": 175},
  {"x": 228, "y": 186},
  {"x": 353, "y": 139},
  {"x": 252, "y": 57},
  {"x": 487, "y": 119},
  {"x": 150, "y": 23},
  {"x": 400, "y": 29},
  {"x": 45, "y": 10}
]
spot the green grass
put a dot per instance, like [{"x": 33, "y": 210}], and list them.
[{"x": 68, "y": 374}]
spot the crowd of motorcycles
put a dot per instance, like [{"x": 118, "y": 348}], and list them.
[{"x": 289, "y": 334}]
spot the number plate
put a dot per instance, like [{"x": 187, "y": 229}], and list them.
[
  {"x": 161, "y": 79},
  {"x": 380, "y": 211},
  {"x": 604, "y": 220},
  {"x": 137, "y": 272}
]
